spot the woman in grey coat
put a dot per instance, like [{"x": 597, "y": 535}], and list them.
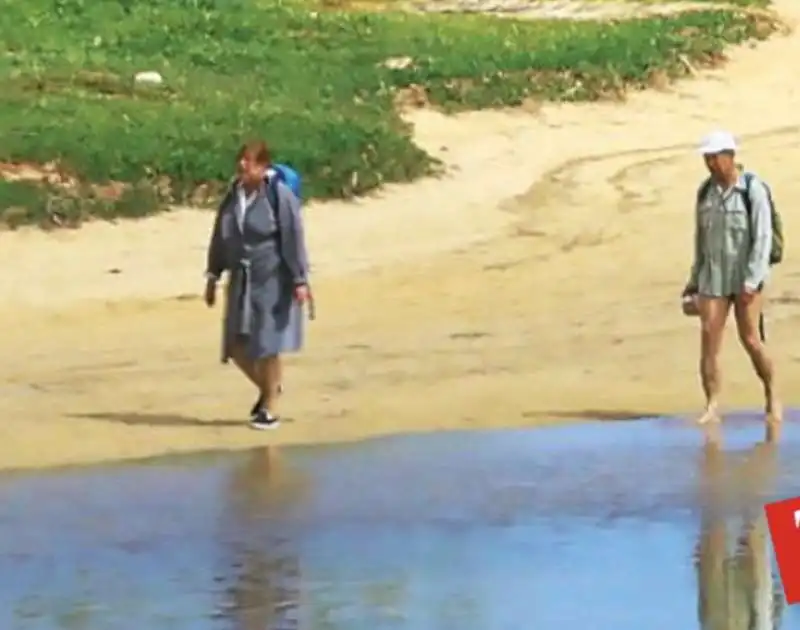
[{"x": 258, "y": 239}]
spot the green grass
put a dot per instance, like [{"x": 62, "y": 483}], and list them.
[
  {"x": 311, "y": 82},
  {"x": 50, "y": 206}
]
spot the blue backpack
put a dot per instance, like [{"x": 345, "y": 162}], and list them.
[
  {"x": 291, "y": 178},
  {"x": 288, "y": 176}
]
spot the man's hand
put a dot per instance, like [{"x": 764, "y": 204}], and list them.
[
  {"x": 210, "y": 296},
  {"x": 748, "y": 295},
  {"x": 301, "y": 293}
]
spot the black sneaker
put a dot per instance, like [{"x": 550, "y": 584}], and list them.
[
  {"x": 263, "y": 420},
  {"x": 260, "y": 402}
]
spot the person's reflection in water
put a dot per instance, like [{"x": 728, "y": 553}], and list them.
[
  {"x": 736, "y": 591},
  {"x": 265, "y": 592}
]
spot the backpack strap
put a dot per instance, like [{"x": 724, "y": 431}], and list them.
[
  {"x": 274, "y": 199},
  {"x": 746, "y": 199},
  {"x": 703, "y": 190}
]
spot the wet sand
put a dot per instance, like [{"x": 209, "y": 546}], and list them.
[
  {"x": 454, "y": 530},
  {"x": 537, "y": 281}
]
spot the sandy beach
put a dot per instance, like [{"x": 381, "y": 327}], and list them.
[{"x": 537, "y": 281}]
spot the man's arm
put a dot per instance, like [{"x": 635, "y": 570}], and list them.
[
  {"x": 697, "y": 261},
  {"x": 215, "y": 257},
  {"x": 761, "y": 236}
]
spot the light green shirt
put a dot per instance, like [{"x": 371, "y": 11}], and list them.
[{"x": 731, "y": 248}]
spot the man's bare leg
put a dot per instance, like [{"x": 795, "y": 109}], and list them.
[
  {"x": 712, "y": 545},
  {"x": 712, "y": 434},
  {"x": 747, "y": 317},
  {"x": 772, "y": 431},
  {"x": 713, "y": 315}
]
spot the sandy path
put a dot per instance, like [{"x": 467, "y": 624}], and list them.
[
  {"x": 539, "y": 283},
  {"x": 567, "y": 9}
]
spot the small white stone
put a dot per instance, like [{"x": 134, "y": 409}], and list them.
[
  {"x": 398, "y": 63},
  {"x": 150, "y": 77}
]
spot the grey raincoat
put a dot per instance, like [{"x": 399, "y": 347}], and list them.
[{"x": 265, "y": 259}]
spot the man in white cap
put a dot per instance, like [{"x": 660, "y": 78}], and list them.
[{"x": 733, "y": 245}]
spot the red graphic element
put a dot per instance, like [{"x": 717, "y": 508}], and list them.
[{"x": 783, "y": 518}]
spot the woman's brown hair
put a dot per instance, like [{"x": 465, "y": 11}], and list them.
[{"x": 256, "y": 149}]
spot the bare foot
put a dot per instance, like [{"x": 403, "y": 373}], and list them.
[
  {"x": 712, "y": 433},
  {"x": 773, "y": 431},
  {"x": 774, "y": 412},
  {"x": 709, "y": 415}
]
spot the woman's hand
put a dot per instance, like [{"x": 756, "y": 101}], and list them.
[
  {"x": 301, "y": 293},
  {"x": 211, "y": 292}
]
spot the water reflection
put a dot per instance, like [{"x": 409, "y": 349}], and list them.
[
  {"x": 496, "y": 530},
  {"x": 736, "y": 586},
  {"x": 263, "y": 565}
]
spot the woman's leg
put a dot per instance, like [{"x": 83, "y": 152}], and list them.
[
  {"x": 275, "y": 334},
  {"x": 247, "y": 366},
  {"x": 269, "y": 381}
]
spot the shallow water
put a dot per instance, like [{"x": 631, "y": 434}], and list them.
[{"x": 624, "y": 525}]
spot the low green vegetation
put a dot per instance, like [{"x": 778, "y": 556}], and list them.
[
  {"x": 321, "y": 86},
  {"x": 25, "y": 202}
]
